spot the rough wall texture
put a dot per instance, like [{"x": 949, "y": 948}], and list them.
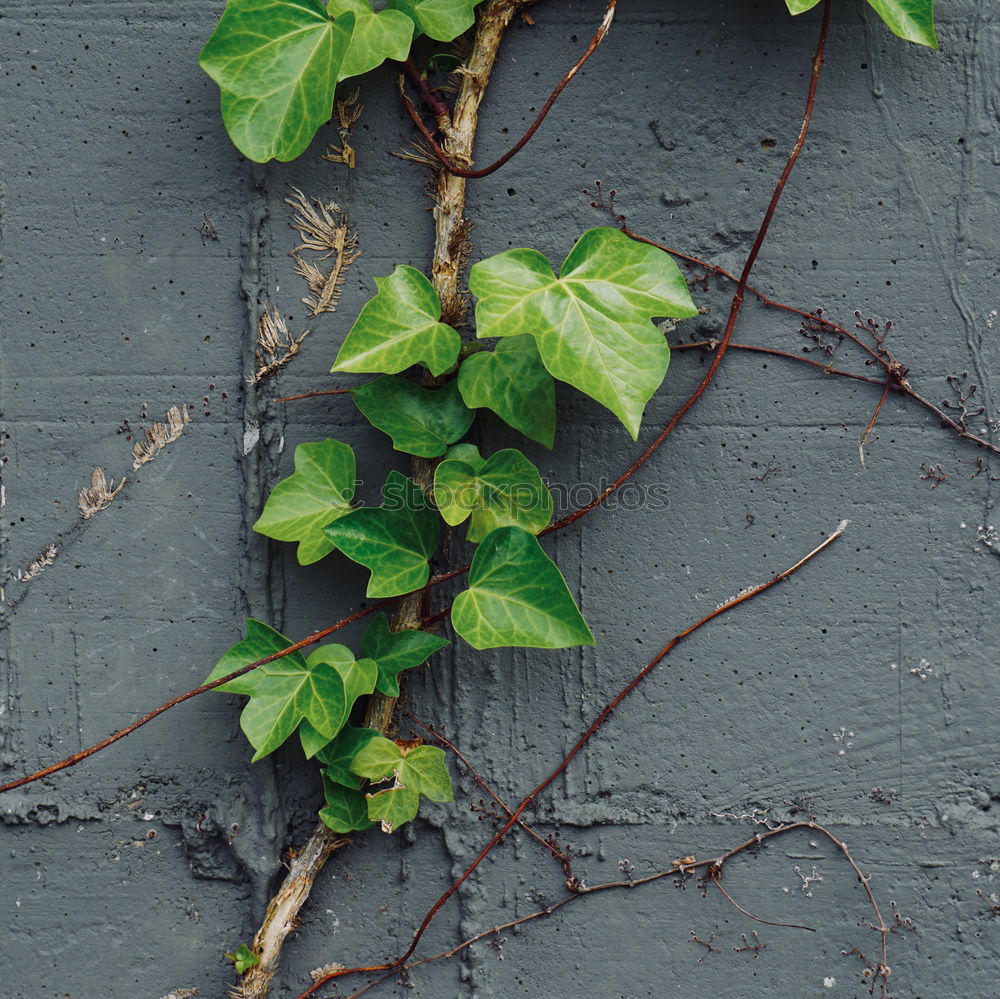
[{"x": 138, "y": 250}]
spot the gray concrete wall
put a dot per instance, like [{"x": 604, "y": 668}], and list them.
[{"x": 123, "y": 877}]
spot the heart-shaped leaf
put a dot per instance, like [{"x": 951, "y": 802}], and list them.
[
  {"x": 318, "y": 492},
  {"x": 261, "y": 641},
  {"x": 592, "y": 324},
  {"x": 910, "y": 19},
  {"x": 395, "y": 651},
  {"x": 443, "y": 20},
  {"x": 356, "y": 676},
  {"x": 346, "y": 808},
  {"x": 512, "y": 381},
  {"x": 400, "y": 327},
  {"x": 322, "y": 695},
  {"x": 504, "y": 490},
  {"x": 517, "y": 597},
  {"x": 377, "y": 37},
  {"x": 276, "y": 63},
  {"x": 419, "y": 420},
  {"x": 395, "y": 540}
]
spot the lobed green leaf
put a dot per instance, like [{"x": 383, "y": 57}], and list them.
[
  {"x": 277, "y": 63},
  {"x": 321, "y": 695},
  {"x": 592, "y": 324},
  {"x": 318, "y": 492},
  {"x": 419, "y": 420},
  {"x": 512, "y": 381},
  {"x": 502, "y": 491},
  {"x": 909, "y": 19},
  {"x": 395, "y": 541},
  {"x": 415, "y": 771},
  {"x": 377, "y": 36},
  {"x": 346, "y": 808},
  {"x": 261, "y": 641},
  {"x": 517, "y": 597},
  {"x": 442, "y": 20},
  {"x": 400, "y": 327},
  {"x": 395, "y": 651}
]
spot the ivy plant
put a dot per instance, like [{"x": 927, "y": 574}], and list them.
[
  {"x": 589, "y": 324},
  {"x": 278, "y": 62},
  {"x": 592, "y": 328}
]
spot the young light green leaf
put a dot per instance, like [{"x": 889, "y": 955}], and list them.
[
  {"x": 395, "y": 651},
  {"x": 416, "y": 770},
  {"x": 592, "y": 324},
  {"x": 243, "y": 959},
  {"x": 517, "y": 597},
  {"x": 400, "y": 327},
  {"x": 419, "y": 768},
  {"x": 393, "y": 807},
  {"x": 318, "y": 492},
  {"x": 261, "y": 641},
  {"x": 322, "y": 694},
  {"x": 798, "y": 6},
  {"x": 276, "y": 63},
  {"x": 424, "y": 769},
  {"x": 377, "y": 37},
  {"x": 346, "y": 808},
  {"x": 395, "y": 540},
  {"x": 419, "y": 420},
  {"x": 442, "y": 20},
  {"x": 468, "y": 453},
  {"x": 910, "y": 19},
  {"x": 512, "y": 381},
  {"x": 336, "y": 756},
  {"x": 505, "y": 490}
]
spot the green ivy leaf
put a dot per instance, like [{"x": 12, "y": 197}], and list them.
[
  {"x": 512, "y": 381},
  {"x": 377, "y": 37},
  {"x": 346, "y": 808},
  {"x": 395, "y": 540},
  {"x": 506, "y": 490},
  {"x": 276, "y": 63},
  {"x": 415, "y": 771},
  {"x": 357, "y": 680},
  {"x": 261, "y": 641},
  {"x": 321, "y": 694},
  {"x": 393, "y": 807},
  {"x": 419, "y": 420},
  {"x": 395, "y": 651},
  {"x": 318, "y": 492},
  {"x": 909, "y": 19},
  {"x": 243, "y": 959},
  {"x": 400, "y": 327},
  {"x": 443, "y": 20},
  {"x": 592, "y": 324},
  {"x": 517, "y": 597},
  {"x": 336, "y": 756}
]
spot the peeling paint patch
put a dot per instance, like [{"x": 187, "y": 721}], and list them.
[{"x": 251, "y": 437}]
